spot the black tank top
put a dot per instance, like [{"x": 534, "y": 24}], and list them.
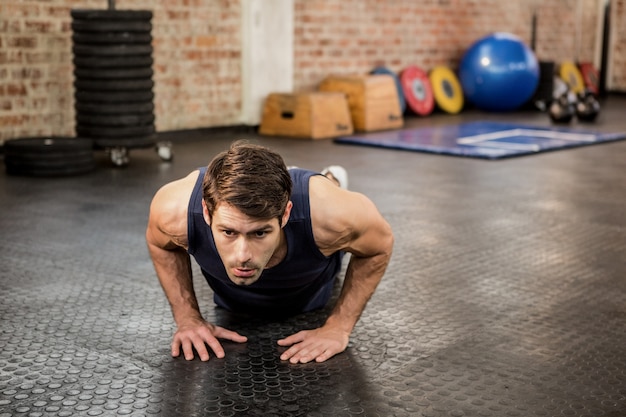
[{"x": 284, "y": 288}]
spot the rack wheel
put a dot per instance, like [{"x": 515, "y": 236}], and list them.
[
  {"x": 119, "y": 156},
  {"x": 164, "y": 150}
]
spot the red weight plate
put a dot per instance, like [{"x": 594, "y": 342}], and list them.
[
  {"x": 590, "y": 75},
  {"x": 418, "y": 90}
]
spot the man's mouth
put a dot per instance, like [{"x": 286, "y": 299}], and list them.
[{"x": 244, "y": 272}]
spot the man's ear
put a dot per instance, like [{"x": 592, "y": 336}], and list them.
[
  {"x": 205, "y": 214},
  {"x": 286, "y": 214}
]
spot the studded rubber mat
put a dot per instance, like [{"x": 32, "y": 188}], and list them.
[{"x": 506, "y": 295}]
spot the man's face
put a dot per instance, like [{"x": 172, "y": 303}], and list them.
[{"x": 245, "y": 244}]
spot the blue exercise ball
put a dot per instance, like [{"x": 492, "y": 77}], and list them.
[{"x": 499, "y": 72}]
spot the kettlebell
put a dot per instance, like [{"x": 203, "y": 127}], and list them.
[
  {"x": 587, "y": 107},
  {"x": 562, "y": 109}
]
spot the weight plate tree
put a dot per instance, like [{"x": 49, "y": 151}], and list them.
[{"x": 112, "y": 55}]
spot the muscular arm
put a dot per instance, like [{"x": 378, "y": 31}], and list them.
[
  {"x": 371, "y": 253},
  {"x": 166, "y": 237},
  {"x": 173, "y": 268},
  {"x": 346, "y": 221}
]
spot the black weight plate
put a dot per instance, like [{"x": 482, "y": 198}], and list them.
[
  {"x": 38, "y": 170},
  {"x": 114, "y": 96},
  {"x": 113, "y": 73},
  {"x": 117, "y": 14},
  {"x": 109, "y": 132},
  {"x": 48, "y": 156},
  {"x": 86, "y": 107},
  {"x": 112, "y": 62},
  {"x": 112, "y": 50},
  {"x": 88, "y": 61},
  {"x": 114, "y": 38},
  {"x": 47, "y": 144},
  {"x": 114, "y": 85},
  {"x": 51, "y": 159},
  {"x": 545, "y": 88},
  {"x": 111, "y": 26},
  {"x": 140, "y": 119}
]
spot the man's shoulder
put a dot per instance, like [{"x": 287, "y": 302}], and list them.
[
  {"x": 332, "y": 213},
  {"x": 170, "y": 204},
  {"x": 324, "y": 190},
  {"x": 178, "y": 191},
  {"x": 346, "y": 220}
]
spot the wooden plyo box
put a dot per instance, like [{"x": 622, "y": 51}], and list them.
[
  {"x": 372, "y": 99},
  {"x": 317, "y": 115}
]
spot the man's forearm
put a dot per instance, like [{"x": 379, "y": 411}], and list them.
[
  {"x": 362, "y": 277},
  {"x": 173, "y": 268}
]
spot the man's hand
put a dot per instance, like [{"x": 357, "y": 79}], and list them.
[
  {"x": 319, "y": 344},
  {"x": 197, "y": 334}
]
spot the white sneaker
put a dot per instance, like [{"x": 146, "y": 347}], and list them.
[{"x": 337, "y": 173}]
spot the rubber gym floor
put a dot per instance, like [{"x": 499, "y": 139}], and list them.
[{"x": 506, "y": 294}]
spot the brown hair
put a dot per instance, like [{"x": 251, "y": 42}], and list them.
[{"x": 251, "y": 178}]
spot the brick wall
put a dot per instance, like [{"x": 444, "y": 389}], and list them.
[
  {"x": 618, "y": 16},
  {"x": 197, "y": 54},
  {"x": 197, "y": 49},
  {"x": 354, "y": 36},
  {"x": 35, "y": 69}
]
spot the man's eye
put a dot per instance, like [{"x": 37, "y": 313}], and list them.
[
  {"x": 229, "y": 233},
  {"x": 260, "y": 234}
]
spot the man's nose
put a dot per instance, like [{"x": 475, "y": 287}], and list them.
[{"x": 242, "y": 251}]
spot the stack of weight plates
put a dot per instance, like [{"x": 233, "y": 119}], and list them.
[
  {"x": 48, "y": 156},
  {"x": 113, "y": 79}
]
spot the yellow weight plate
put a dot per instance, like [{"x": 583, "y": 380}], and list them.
[
  {"x": 446, "y": 89},
  {"x": 570, "y": 73}
]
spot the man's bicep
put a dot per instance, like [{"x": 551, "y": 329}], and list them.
[
  {"x": 167, "y": 225},
  {"x": 347, "y": 221},
  {"x": 157, "y": 239},
  {"x": 371, "y": 234},
  {"x": 156, "y": 235}
]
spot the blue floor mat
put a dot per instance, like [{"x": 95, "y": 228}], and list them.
[{"x": 489, "y": 140}]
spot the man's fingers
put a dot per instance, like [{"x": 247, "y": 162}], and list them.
[
  {"x": 308, "y": 354},
  {"x": 198, "y": 339},
  {"x": 175, "y": 348},
  {"x": 295, "y": 341},
  {"x": 187, "y": 349},
  {"x": 204, "y": 338},
  {"x": 311, "y": 345},
  {"x": 229, "y": 335},
  {"x": 325, "y": 355},
  {"x": 294, "y": 338},
  {"x": 216, "y": 346},
  {"x": 202, "y": 351},
  {"x": 289, "y": 353},
  {"x": 302, "y": 352},
  {"x": 179, "y": 344}
]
